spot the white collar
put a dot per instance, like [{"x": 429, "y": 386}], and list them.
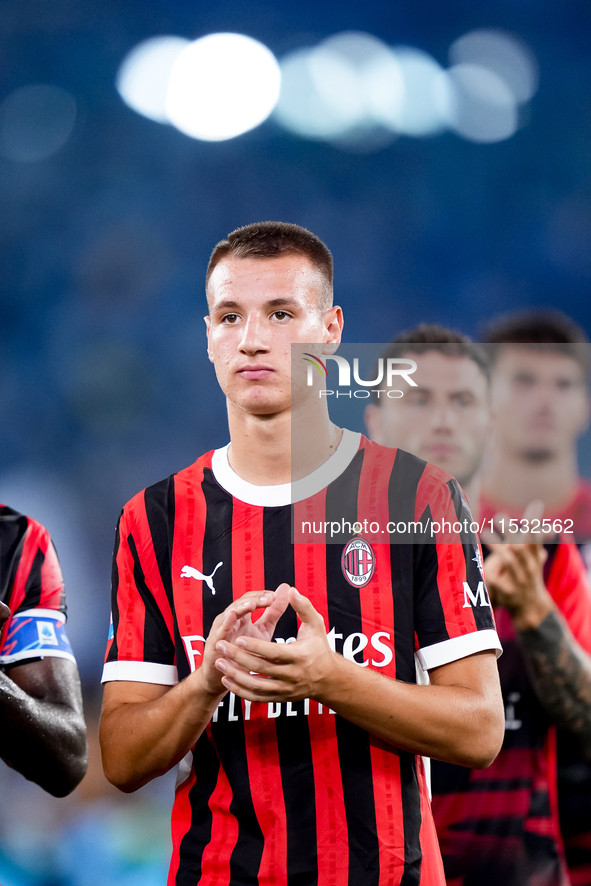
[{"x": 285, "y": 493}]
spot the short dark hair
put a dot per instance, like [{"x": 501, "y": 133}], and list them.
[
  {"x": 433, "y": 337},
  {"x": 270, "y": 239},
  {"x": 549, "y": 330}
]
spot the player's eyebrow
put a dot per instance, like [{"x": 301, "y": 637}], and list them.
[
  {"x": 461, "y": 392},
  {"x": 230, "y": 304},
  {"x": 419, "y": 391}
]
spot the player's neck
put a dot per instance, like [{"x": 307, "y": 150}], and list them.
[
  {"x": 513, "y": 480},
  {"x": 275, "y": 449}
]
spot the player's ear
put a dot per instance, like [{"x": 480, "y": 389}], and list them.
[
  {"x": 208, "y": 329},
  {"x": 585, "y": 413},
  {"x": 333, "y": 328}
]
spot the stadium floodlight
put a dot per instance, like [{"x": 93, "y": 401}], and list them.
[{"x": 221, "y": 86}]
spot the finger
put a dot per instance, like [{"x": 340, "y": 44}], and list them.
[
  {"x": 253, "y": 654},
  {"x": 253, "y": 687},
  {"x": 502, "y": 571},
  {"x": 235, "y": 612},
  {"x": 257, "y": 692},
  {"x": 534, "y": 511},
  {"x": 495, "y": 531},
  {"x": 303, "y": 607},
  {"x": 532, "y": 555},
  {"x": 249, "y": 602},
  {"x": 275, "y": 609},
  {"x": 516, "y": 571}
]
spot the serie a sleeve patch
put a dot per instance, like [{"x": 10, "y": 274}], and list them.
[{"x": 35, "y": 633}]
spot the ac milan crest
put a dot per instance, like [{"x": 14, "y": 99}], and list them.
[{"x": 358, "y": 562}]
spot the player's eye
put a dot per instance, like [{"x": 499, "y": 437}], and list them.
[
  {"x": 281, "y": 315},
  {"x": 524, "y": 379},
  {"x": 565, "y": 384},
  {"x": 230, "y": 319},
  {"x": 417, "y": 398}
]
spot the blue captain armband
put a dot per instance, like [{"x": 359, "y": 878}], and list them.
[{"x": 35, "y": 633}]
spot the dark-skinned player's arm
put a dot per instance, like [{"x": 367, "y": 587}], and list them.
[
  {"x": 43, "y": 733},
  {"x": 458, "y": 718},
  {"x": 558, "y": 665},
  {"x": 147, "y": 728}
]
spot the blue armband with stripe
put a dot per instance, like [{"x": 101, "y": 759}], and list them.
[{"x": 35, "y": 633}]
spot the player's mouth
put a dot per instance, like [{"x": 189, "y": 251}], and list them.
[
  {"x": 442, "y": 450},
  {"x": 255, "y": 373}
]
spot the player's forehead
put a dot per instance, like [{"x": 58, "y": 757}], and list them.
[
  {"x": 259, "y": 280},
  {"x": 448, "y": 373},
  {"x": 514, "y": 361}
]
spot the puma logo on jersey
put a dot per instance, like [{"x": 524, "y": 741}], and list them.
[{"x": 190, "y": 572}]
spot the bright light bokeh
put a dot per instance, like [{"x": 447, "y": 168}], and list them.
[
  {"x": 423, "y": 106},
  {"x": 332, "y": 91},
  {"x": 142, "y": 79},
  {"x": 221, "y": 86},
  {"x": 320, "y": 96},
  {"x": 484, "y": 108},
  {"x": 35, "y": 122},
  {"x": 352, "y": 89},
  {"x": 504, "y": 54}
]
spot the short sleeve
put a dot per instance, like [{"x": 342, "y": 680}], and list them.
[
  {"x": 453, "y": 612},
  {"x": 140, "y": 645}
]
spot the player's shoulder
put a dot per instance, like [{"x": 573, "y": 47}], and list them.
[
  {"x": 21, "y": 523},
  {"x": 406, "y": 463},
  {"x": 162, "y": 489}
]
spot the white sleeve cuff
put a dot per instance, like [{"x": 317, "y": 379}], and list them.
[
  {"x": 140, "y": 672},
  {"x": 459, "y": 647}
]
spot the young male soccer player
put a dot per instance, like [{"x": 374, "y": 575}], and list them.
[
  {"x": 298, "y": 733},
  {"x": 43, "y": 734},
  {"x": 540, "y": 397},
  {"x": 501, "y": 825},
  {"x": 541, "y": 400}
]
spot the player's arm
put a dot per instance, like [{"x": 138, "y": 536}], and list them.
[
  {"x": 146, "y": 729},
  {"x": 43, "y": 733},
  {"x": 459, "y": 718},
  {"x": 559, "y": 668}
]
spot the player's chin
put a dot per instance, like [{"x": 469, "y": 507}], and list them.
[{"x": 264, "y": 405}]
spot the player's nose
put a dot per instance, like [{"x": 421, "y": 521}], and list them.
[
  {"x": 442, "y": 417},
  {"x": 254, "y": 337}
]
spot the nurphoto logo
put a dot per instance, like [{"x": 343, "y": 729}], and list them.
[{"x": 388, "y": 371}]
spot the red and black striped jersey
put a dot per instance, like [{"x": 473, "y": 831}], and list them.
[
  {"x": 32, "y": 586},
  {"x": 500, "y": 825},
  {"x": 292, "y": 793}
]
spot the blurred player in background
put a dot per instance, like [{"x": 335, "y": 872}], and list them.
[
  {"x": 299, "y": 758},
  {"x": 500, "y": 825},
  {"x": 541, "y": 403},
  {"x": 540, "y": 400},
  {"x": 43, "y": 734}
]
